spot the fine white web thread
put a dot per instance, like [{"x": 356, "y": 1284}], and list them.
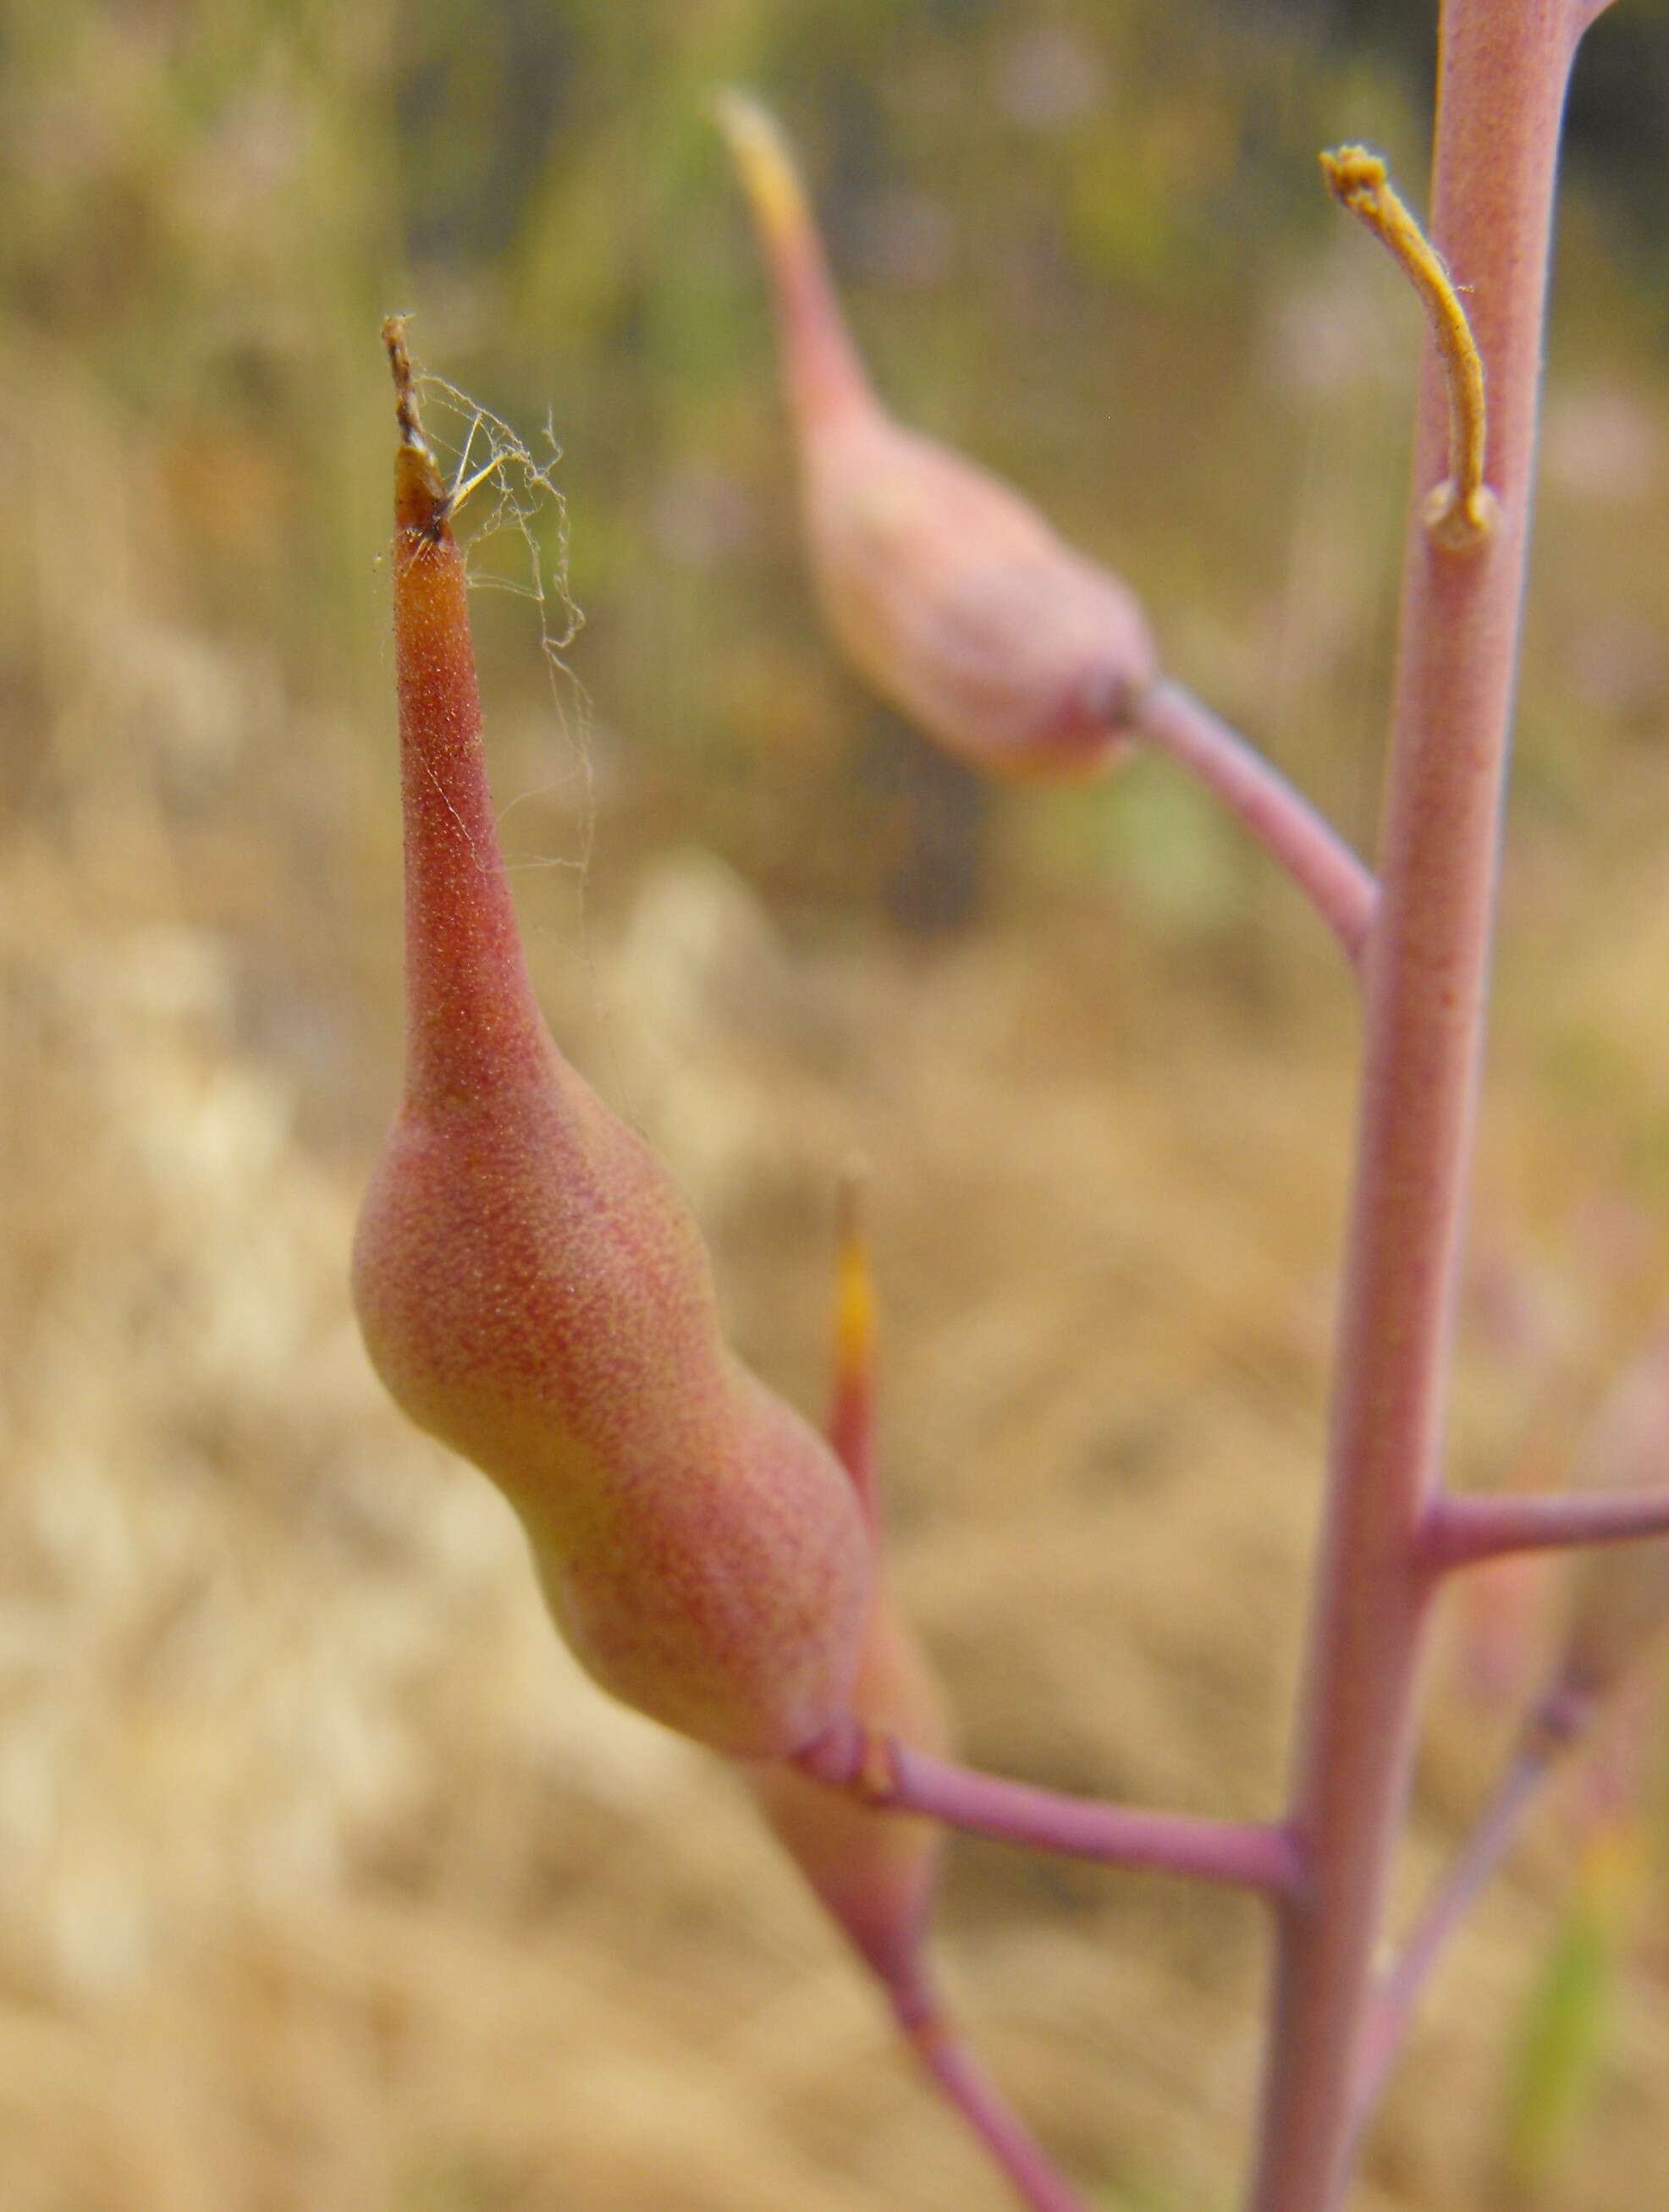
[
  {"x": 505, "y": 504},
  {"x": 510, "y": 520}
]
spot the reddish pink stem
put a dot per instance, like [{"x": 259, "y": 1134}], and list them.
[
  {"x": 971, "y": 2090},
  {"x": 1388, "y": 2018},
  {"x": 891, "y": 1778},
  {"x": 967, "y": 2087},
  {"x": 1502, "y": 72},
  {"x": 1340, "y": 887},
  {"x": 1459, "y": 1532},
  {"x": 1563, "y": 1718}
]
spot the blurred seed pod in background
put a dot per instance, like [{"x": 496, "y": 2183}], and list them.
[{"x": 949, "y": 594}]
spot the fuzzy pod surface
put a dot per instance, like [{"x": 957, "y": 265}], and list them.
[{"x": 533, "y": 1291}]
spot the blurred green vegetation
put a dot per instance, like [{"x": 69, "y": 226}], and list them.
[
  {"x": 1054, "y": 229},
  {"x": 1085, "y": 240}
]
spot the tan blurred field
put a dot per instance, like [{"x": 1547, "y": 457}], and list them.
[{"x": 325, "y": 1882}]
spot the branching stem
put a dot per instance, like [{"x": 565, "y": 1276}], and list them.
[
  {"x": 1502, "y": 77},
  {"x": 1560, "y": 1720},
  {"x": 890, "y": 1777},
  {"x": 1461, "y": 1532}
]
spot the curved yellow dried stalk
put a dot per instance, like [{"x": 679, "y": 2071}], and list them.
[{"x": 1461, "y": 511}]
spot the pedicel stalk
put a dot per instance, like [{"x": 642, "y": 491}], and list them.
[{"x": 534, "y": 1292}]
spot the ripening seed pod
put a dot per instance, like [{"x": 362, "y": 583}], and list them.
[
  {"x": 533, "y": 1291},
  {"x": 1620, "y": 1591},
  {"x": 950, "y": 595}
]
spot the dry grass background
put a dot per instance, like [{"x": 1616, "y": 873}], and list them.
[{"x": 325, "y": 1881}]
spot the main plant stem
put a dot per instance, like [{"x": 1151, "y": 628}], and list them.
[{"x": 1502, "y": 78}]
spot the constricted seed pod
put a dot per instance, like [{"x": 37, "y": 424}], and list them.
[
  {"x": 949, "y": 594},
  {"x": 533, "y": 1291}
]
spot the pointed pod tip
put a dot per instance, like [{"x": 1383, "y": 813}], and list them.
[
  {"x": 854, "y": 1293},
  {"x": 420, "y": 501},
  {"x": 763, "y": 160},
  {"x": 742, "y": 118},
  {"x": 419, "y": 498},
  {"x": 406, "y": 396}
]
